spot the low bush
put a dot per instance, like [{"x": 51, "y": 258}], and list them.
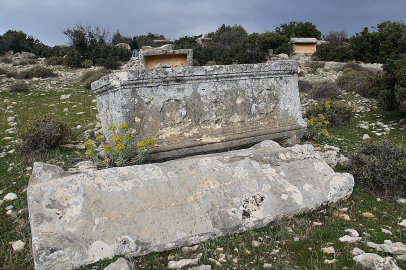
[
  {"x": 314, "y": 65},
  {"x": 363, "y": 82},
  {"x": 111, "y": 63},
  {"x": 42, "y": 132},
  {"x": 36, "y": 71},
  {"x": 3, "y": 71},
  {"x": 352, "y": 66},
  {"x": 11, "y": 74},
  {"x": 319, "y": 89},
  {"x": 6, "y": 60},
  {"x": 380, "y": 166},
  {"x": 19, "y": 87},
  {"x": 54, "y": 60},
  {"x": 26, "y": 62},
  {"x": 92, "y": 75},
  {"x": 338, "y": 113}
]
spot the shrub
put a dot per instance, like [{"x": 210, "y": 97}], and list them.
[
  {"x": 320, "y": 89},
  {"x": 365, "y": 82},
  {"x": 380, "y": 166},
  {"x": 10, "y": 74},
  {"x": 87, "y": 63},
  {"x": 314, "y": 65},
  {"x": 6, "y": 60},
  {"x": 36, "y": 71},
  {"x": 3, "y": 71},
  {"x": 26, "y": 62},
  {"x": 41, "y": 133},
  {"x": 19, "y": 87},
  {"x": 54, "y": 60},
  {"x": 316, "y": 128},
  {"x": 120, "y": 152},
  {"x": 110, "y": 63},
  {"x": 92, "y": 75},
  {"x": 352, "y": 66},
  {"x": 338, "y": 113}
]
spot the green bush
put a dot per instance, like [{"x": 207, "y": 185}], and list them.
[
  {"x": 54, "y": 60},
  {"x": 320, "y": 89},
  {"x": 11, "y": 74},
  {"x": 41, "y": 133},
  {"x": 352, "y": 66},
  {"x": 380, "y": 166},
  {"x": 92, "y": 75},
  {"x": 87, "y": 63},
  {"x": 36, "y": 71},
  {"x": 26, "y": 62},
  {"x": 338, "y": 114},
  {"x": 363, "y": 82},
  {"x": 111, "y": 63},
  {"x": 19, "y": 87},
  {"x": 394, "y": 95},
  {"x": 3, "y": 71},
  {"x": 6, "y": 60}
]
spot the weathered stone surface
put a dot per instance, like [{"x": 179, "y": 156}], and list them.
[
  {"x": 192, "y": 110},
  {"x": 79, "y": 219},
  {"x": 376, "y": 262},
  {"x": 120, "y": 264}
]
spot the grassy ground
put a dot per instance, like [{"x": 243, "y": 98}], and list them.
[{"x": 286, "y": 244}]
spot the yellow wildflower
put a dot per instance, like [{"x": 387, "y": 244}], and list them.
[
  {"x": 88, "y": 144},
  {"x": 141, "y": 144},
  {"x": 326, "y": 122},
  {"x": 89, "y": 153},
  {"x": 99, "y": 138},
  {"x": 127, "y": 136},
  {"x": 321, "y": 117},
  {"x": 324, "y": 132},
  {"x": 120, "y": 146},
  {"x": 107, "y": 148},
  {"x": 113, "y": 126},
  {"x": 319, "y": 124},
  {"x": 310, "y": 123},
  {"x": 124, "y": 127},
  {"x": 150, "y": 142},
  {"x": 327, "y": 104},
  {"x": 117, "y": 139}
]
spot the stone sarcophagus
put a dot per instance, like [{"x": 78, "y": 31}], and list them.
[{"x": 193, "y": 110}]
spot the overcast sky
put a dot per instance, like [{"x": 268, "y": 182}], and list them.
[{"x": 46, "y": 19}]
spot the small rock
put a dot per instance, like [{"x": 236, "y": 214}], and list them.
[
  {"x": 345, "y": 217},
  {"x": 214, "y": 261},
  {"x": 368, "y": 215},
  {"x": 330, "y": 261},
  {"x": 267, "y": 266},
  {"x": 328, "y": 250},
  {"x": 120, "y": 264},
  {"x": 349, "y": 239},
  {"x": 356, "y": 251},
  {"x": 18, "y": 245},
  {"x": 366, "y": 137},
  {"x": 235, "y": 260},
  {"x": 353, "y": 232},
  {"x": 386, "y": 231},
  {"x": 317, "y": 223},
  {"x": 189, "y": 249},
  {"x": 403, "y": 223},
  {"x": 344, "y": 209},
  {"x": 255, "y": 243},
  {"x": 10, "y": 197},
  {"x": 182, "y": 263},
  {"x": 201, "y": 267},
  {"x": 65, "y": 96},
  {"x": 374, "y": 261},
  {"x": 402, "y": 201}
]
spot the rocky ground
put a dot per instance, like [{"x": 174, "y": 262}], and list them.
[{"x": 67, "y": 78}]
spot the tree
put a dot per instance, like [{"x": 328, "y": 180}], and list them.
[
  {"x": 148, "y": 40},
  {"x": 118, "y": 38},
  {"x": 298, "y": 29},
  {"x": 17, "y": 41},
  {"x": 229, "y": 35},
  {"x": 336, "y": 38}
]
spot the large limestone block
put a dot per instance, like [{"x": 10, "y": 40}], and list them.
[
  {"x": 195, "y": 110},
  {"x": 79, "y": 219}
]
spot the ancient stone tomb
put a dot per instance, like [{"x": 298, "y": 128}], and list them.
[{"x": 192, "y": 110}]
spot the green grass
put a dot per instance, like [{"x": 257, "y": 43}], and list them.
[{"x": 298, "y": 240}]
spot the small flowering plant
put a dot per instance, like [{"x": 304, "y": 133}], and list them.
[
  {"x": 316, "y": 126},
  {"x": 120, "y": 152}
]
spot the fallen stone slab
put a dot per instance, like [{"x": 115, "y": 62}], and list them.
[{"x": 82, "y": 218}]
